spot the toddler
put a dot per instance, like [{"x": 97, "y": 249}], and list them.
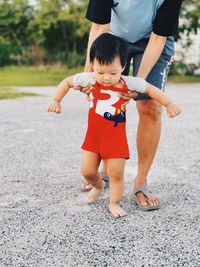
[{"x": 106, "y": 134}]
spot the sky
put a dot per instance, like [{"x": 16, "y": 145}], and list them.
[{"x": 32, "y": 2}]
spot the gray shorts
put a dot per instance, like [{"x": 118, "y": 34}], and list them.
[{"x": 159, "y": 72}]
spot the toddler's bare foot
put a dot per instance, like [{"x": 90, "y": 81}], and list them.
[
  {"x": 116, "y": 210},
  {"x": 95, "y": 192}
]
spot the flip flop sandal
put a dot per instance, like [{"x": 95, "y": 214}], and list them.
[
  {"x": 106, "y": 180},
  {"x": 148, "y": 193}
]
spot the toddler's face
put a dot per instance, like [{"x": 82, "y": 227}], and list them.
[{"x": 108, "y": 75}]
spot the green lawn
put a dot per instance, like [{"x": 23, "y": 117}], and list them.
[
  {"x": 11, "y": 93},
  {"x": 12, "y": 77},
  {"x": 34, "y": 76},
  {"x": 184, "y": 79}
]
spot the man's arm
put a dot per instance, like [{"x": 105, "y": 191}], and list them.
[
  {"x": 95, "y": 31},
  {"x": 151, "y": 55},
  {"x": 99, "y": 13},
  {"x": 165, "y": 24}
]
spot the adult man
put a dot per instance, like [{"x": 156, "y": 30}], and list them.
[{"x": 149, "y": 27}]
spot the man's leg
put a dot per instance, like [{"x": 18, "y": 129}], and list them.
[
  {"x": 148, "y": 135},
  {"x": 149, "y": 127}
]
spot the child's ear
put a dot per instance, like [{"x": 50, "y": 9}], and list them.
[
  {"x": 92, "y": 64},
  {"x": 90, "y": 67}
]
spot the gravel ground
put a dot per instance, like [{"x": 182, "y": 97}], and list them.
[{"x": 44, "y": 217}]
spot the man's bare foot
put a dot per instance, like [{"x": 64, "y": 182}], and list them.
[
  {"x": 95, "y": 192},
  {"x": 144, "y": 200},
  {"x": 116, "y": 210},
  {"x": 152, "y": 201}
]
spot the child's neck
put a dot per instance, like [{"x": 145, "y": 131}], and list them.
[{"x": 120, "y": 84}]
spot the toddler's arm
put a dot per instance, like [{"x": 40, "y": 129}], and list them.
[
  {"x": 155, "y": 93},
  {"x": 76, "y": 81},
  {"x": 61, "y": 90},
  {"x": 141, "y": 86}
]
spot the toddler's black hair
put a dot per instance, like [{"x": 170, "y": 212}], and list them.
[{"x": 107, "y": 47}]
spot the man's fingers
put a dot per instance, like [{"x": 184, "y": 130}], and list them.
[
  {"x": 125, "y": 97},
  {"x": 128, "y": 96},
  {"x": 88, "y": 98},
  {"x": 125, "y": 103},
  {"x": 78, "y": 88},
  {"x": 87, "y": 90}
]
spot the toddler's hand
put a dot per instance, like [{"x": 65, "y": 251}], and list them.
[
  {"x": 173, "y": 110},
  {"x": 54, "y": 106}
]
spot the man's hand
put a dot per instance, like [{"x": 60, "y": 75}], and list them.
[
  {"x": 129, "y": 95},
  {"x": 54, "y": 106},
  {"x": 86, "y": 90}
]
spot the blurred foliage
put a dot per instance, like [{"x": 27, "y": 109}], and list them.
[
  {"x": 190, "y": 16},
  {"x": 190, "y": 20},
  {"x": 180, "y": 68},
  {"x": 56, "y": 30},
  {"x": 50, "y": 31}
]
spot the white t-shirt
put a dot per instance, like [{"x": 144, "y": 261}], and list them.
[{"x": 133, "y": 83}]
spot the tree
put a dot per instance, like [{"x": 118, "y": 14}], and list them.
[
  {"x": 61, "y": 29},
  {"x": 15, "y": 16},
  {"x": 190, "y": 18}
]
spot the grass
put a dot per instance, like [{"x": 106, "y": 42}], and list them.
[
  {"x": 35, "y": 76},
  {"x": 11, "y": 93},
  {"x": 11, "y": 77},
  {"x": 184, "y": 79}
]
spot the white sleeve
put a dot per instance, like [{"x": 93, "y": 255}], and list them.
[
  {"x": 83, "y": 79},
  {"x": 135, "y": 83}
]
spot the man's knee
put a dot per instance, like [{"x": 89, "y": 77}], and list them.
[{"x": 149, "y": 109}]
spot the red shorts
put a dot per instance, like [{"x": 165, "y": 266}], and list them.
[
  {"x": 109, "y": 142},
  {"x": 106, "y": 134}
]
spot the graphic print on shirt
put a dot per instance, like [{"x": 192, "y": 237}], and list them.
[
  {"x": 106, "y": 108},
  {"x": 121, "y": 117}
]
